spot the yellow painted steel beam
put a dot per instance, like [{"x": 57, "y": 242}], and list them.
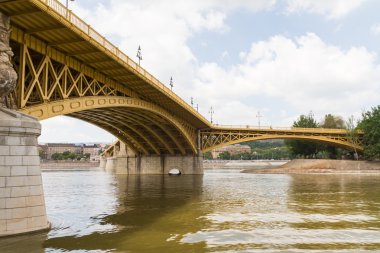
[
  {"x": 169, "y": 133},
  {"x": 212, "y": 139},
  {"x": 67, "y": 106},
  {"x": 123, "y": 122},
  {"x": 120, "y": 133},
  {"x": 138, "y": 120}
]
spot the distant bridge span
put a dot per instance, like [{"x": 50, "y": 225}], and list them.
[{"x": 67, "y": 68}]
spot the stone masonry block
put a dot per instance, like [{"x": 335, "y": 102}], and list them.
[
  {"x": 22, "y": 191},
  {"x": 31, "y": 151},
  {"x": 34, "y": 211},
  {"x": 5, "y": 171},
  {"x": 36, "y": 190},
  {"x": 2, "y": 202},
  {"x": 39, "y": 221},
  {"x": 12, "y": 140},
  {"x": 15, "y": 202},
  {"x": 3, "y": 225},
  {"x": 17, "y": 224},
  {"x": 34, "y": 170},
  {"x": 3, "y": 140},
  {"x": 5, "y": 192},
  {"x": 34, "y": 180},
  {"x": 4, "y": 150},
  {"x": 17, "y": 150},
  {"x": 15, "y": 181},
  {"x": 19, "y": 170},
  {"x": 29, "y": 141},
  {"x": 17, "y": 213},
  {"x": 13, "y": 160},
  {"x": 35, "y": 200},
  {"x": 2, "y": 181},
  {"x": 31, "y": 160}
]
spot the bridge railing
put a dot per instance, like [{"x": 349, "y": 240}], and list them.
[
  {"x": 88, "y": 30},
  {"x": 268, "y": 128}
]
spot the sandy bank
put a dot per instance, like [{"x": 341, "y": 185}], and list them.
[
  {"x": 242, "y": 164},
  {"x": 321, "y": 166}
]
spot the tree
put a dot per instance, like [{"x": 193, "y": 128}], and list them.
[
  {"x": 224, "y": 155},
  {"x": 331, "y": 121},
  {"x": 303, "y": 148},
  {"x": 207, "y": 155},
  {"x": 352, "y": 134},
  {"x": 371, "y": 138}
]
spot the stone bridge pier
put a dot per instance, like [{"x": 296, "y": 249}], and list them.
[{"x": 125, "y": 161}]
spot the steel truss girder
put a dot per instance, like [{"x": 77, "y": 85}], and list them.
[{"x": 215, "y": 138}]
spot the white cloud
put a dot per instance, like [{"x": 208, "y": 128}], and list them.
[
  {"x": 333, "y": 9},
  {"x": 305, "y": 72}
]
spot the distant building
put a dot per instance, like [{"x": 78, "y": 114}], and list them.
[
  {"x": 53, "y": 148},
  {"x": 232, "y": 149},
  {"x": 93, "y": 150},
  {"x": 47, "y": 150}
]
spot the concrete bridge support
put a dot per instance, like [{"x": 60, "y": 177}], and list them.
[
  {"x": 127, "y": 162},
  {"x": 22, "y": 203}
]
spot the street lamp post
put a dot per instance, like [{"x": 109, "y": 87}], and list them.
[
  {"x": 171, "y": 83},
  {"x": 211, "y": 112},
  {"x": 258, "y": 116},
  {"x": 139, "y": 55},
  {"x": 67, "y": 3}
]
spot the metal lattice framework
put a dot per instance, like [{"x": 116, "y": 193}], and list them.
[{"x": 222, "y": 136}]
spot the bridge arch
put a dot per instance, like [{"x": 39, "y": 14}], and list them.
[
  {"x": 210, "y": 141},
  {"x": 144, "y": 127}
]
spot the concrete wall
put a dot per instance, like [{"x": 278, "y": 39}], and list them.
[{"x": 190, "y": 164}]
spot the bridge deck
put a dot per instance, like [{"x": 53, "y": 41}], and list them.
[{"x": 62, "y": 30}]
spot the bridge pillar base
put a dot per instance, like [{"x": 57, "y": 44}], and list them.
[
  {"x": 103, "y": 163},
  {"x": 190, "y": 164},
  {"x": 111, "y": 164},
  {"x": 22, "y": 202}
]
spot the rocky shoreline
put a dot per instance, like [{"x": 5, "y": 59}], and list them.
[{"x": 317, "y": 166}]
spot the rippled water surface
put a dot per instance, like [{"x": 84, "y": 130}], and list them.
[{"x": 221, "y": 211}]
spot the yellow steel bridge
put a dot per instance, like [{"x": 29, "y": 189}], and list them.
[{"x": 67, "y": 68}]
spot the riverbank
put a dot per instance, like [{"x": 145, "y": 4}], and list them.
[
  {"x": 59, "y": 165},
  {"x": 242, "y": 164},
  {"x": 305, "y": 166}
]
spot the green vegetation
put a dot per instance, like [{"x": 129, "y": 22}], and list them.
[
  {"x": 370, "y": 125},
  {"x": 67, "y": 155},
  {"x": 304, "y": 148},
  {"x": 266, "y": 150}
]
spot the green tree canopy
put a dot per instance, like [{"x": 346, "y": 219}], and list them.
[
  {"x": 303, "y": 148},
  {"x": 370, "y": 125},
  {"x": 332, "y": 121}
]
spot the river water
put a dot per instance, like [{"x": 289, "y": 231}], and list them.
[{"x": 221, "y": 211}]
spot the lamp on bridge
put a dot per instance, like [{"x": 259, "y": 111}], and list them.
[
  {"x": 67, "y": 3},
  {"x": 139, "y": 55},
  {"x": 171, "y": 83},
  {"x": 211, "y": 112}
]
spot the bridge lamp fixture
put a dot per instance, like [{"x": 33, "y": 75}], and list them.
[
  {"x": 211, "y": 112},
  {"x": 139, "y": 55},
  {"x": 171, "y": 83},
  {"x": 67, "y": 3},
  {"x": 192, "y": 102},
  {"x": 258, "y": 116}
]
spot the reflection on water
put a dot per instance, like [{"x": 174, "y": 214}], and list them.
[{"x": 222, "y": 211}]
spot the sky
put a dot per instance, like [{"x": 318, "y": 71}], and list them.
[{"x": 282, "y": 58}]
